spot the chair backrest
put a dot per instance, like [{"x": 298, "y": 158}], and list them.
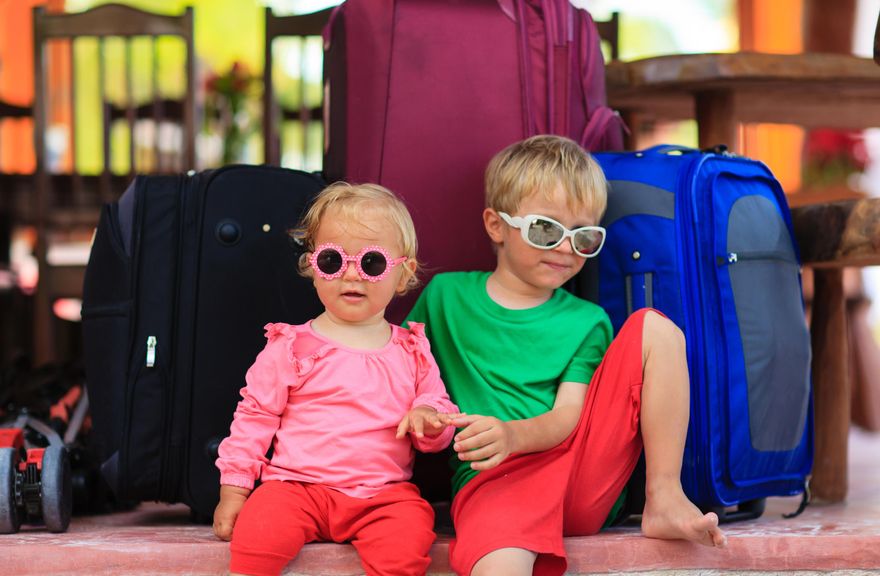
[
  {"x": 609, "y": 31},
  {"x": 122, "y": 90},
  {"x": 275, "y": 114}
]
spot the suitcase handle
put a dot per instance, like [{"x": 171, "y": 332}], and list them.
[{"x": 667, "y": 148}]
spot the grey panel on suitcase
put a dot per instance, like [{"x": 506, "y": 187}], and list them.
[
  {"x": 777, "y": 363},
  {"x": 626, "y": 198}
]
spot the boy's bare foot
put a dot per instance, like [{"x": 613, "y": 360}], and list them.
[{"x": 672, "y": 516}]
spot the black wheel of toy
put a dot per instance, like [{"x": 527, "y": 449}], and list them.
[
  {"x": 56, "y": 488},
  {"x": 10, "y": 521}
]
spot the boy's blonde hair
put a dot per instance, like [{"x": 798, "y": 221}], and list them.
[
  {"x": 351, "y": 201},
  {"x": 538, "y": 165}
]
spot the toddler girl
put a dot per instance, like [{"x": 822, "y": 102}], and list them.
[{"x": 342, "y": 400}]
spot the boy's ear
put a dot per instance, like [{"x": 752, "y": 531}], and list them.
[{"x": 494, "y": 225}]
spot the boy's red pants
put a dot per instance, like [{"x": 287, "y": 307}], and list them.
[
  {"x": 531, "y": 501},
  {"x": 392, "y": 531}
]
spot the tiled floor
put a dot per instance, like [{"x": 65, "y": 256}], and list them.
[{"x": 158, "y": 539}]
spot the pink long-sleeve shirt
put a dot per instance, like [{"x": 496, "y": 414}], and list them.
[{"x": 331, "y": 412}]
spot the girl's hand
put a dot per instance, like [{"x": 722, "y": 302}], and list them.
[
  {"x": 423, "y": 421},
  {"x": 232, "y": 499},
  {"x": 485, "y": 441}
]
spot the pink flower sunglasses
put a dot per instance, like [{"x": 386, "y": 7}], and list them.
[{"x": 373, "y": 263}]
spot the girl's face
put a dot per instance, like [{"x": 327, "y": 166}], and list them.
[{"x": 350, "y": 299}]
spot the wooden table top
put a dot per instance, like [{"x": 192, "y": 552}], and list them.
[{"x": 812, "y": 90}]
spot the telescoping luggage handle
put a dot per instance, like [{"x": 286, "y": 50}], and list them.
[{"x": 559, "y": 19}]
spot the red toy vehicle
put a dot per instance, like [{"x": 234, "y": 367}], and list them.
[{"x": 35, "y": 483}]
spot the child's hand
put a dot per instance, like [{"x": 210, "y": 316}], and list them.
[
  {"x": 485, "y": 441},
  {"x": 423, "y": 421},
  {"x": 231, "y": 500}
]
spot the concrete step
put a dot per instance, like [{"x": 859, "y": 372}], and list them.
[{"x": 158, "y": 539}]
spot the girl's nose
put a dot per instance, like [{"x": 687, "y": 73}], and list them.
[{"x": 351, "y": 272}]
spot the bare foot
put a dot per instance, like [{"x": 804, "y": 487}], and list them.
[{"x": 674, "y": 517}]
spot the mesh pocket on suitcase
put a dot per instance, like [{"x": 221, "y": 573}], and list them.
[{"x": 764, "y": 275}]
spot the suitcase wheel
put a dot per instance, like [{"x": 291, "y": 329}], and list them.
[
  {"x": 747, "y": 510},
  {"x": 57, "y": 489},
  {"x": 10, "y": 521}
]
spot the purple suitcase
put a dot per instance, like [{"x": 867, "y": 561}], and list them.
[{"x": 420, "y": 94}]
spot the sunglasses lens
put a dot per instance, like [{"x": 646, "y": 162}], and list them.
[
  {"x": 329, "y": 261},
  {"x": 373, "y": 264},
  {"x": 544, "y": 233},
  {"x": 587, "y": 242}
]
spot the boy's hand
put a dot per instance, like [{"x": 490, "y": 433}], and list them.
[
  {"x": 485, "y": 441},
  {"x": 423, "y": 421},
  {"x": 231, "y": 500}
]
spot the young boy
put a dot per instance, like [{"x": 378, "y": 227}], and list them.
[{"x": 556, "y": 413}]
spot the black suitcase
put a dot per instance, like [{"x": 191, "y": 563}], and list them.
[{"x": 184, "y": 272}]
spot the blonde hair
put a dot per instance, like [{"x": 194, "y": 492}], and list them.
[
  {"x": 538, "y": 165},
  {"x": 351, "y": 201}
]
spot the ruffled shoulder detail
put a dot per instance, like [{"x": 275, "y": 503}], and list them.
[
  {"x": 289, "y": 332},
  {"x": 280, "y": 329},
  {"x": 302, "y": 362},
  {"x": 416, "y": 330},
  {"x": 416, "y": 342}
]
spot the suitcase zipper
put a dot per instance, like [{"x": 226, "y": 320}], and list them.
[
  {"x": 169, "y": 483},
  {"x": 734, "y": 257},
  {"x": 151, "y": 351}
]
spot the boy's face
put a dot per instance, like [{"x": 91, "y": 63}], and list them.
[{"x": 533, "y": 269}]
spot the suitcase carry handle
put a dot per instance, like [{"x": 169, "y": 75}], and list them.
[{"x": 667, "y": 148}]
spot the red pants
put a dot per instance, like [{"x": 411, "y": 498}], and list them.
[
  {"x": 392, "y": 531},
  {"x": 531, "y": 501}
]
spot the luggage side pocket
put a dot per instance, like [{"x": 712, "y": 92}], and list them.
[
  {"x": 106, "y": 325},
  {"x": 143, "y": 443},
  {"x": 765, "y": 280}
]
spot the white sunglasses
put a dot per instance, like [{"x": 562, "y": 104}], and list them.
[{"x": 546, "y": 234}]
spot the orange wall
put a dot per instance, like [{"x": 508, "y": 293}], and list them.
[
  {"x": 774, "y": 26},
  {"x": 17, "y": 80}
]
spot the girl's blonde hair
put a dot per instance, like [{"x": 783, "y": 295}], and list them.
[
  {"x": 350, "y": 202},
  {"x": 538, "y": 165}
]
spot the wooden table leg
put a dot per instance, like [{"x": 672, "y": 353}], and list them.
[
  {"x": 716, "y": 120},
  {"x": 831, "y": 386},
  {"x": 633, "y": 121}
]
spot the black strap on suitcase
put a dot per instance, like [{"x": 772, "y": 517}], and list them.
[{"x": 183, "y": 274}]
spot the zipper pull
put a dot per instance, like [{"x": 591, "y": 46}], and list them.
[
  {"x": 151, "y": 351},
  {"x": 731, "y": 258}
]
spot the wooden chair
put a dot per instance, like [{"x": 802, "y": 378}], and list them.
[
  {"x": 276, "y": 114},
  {"x": 67, "y": 203},
  {"x": 609, "y": 32}
]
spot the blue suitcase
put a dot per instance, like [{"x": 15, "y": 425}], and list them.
[{"x": 707, "y": 239}]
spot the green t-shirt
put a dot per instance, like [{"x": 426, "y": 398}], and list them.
[{"x": 507, "y": 363}]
